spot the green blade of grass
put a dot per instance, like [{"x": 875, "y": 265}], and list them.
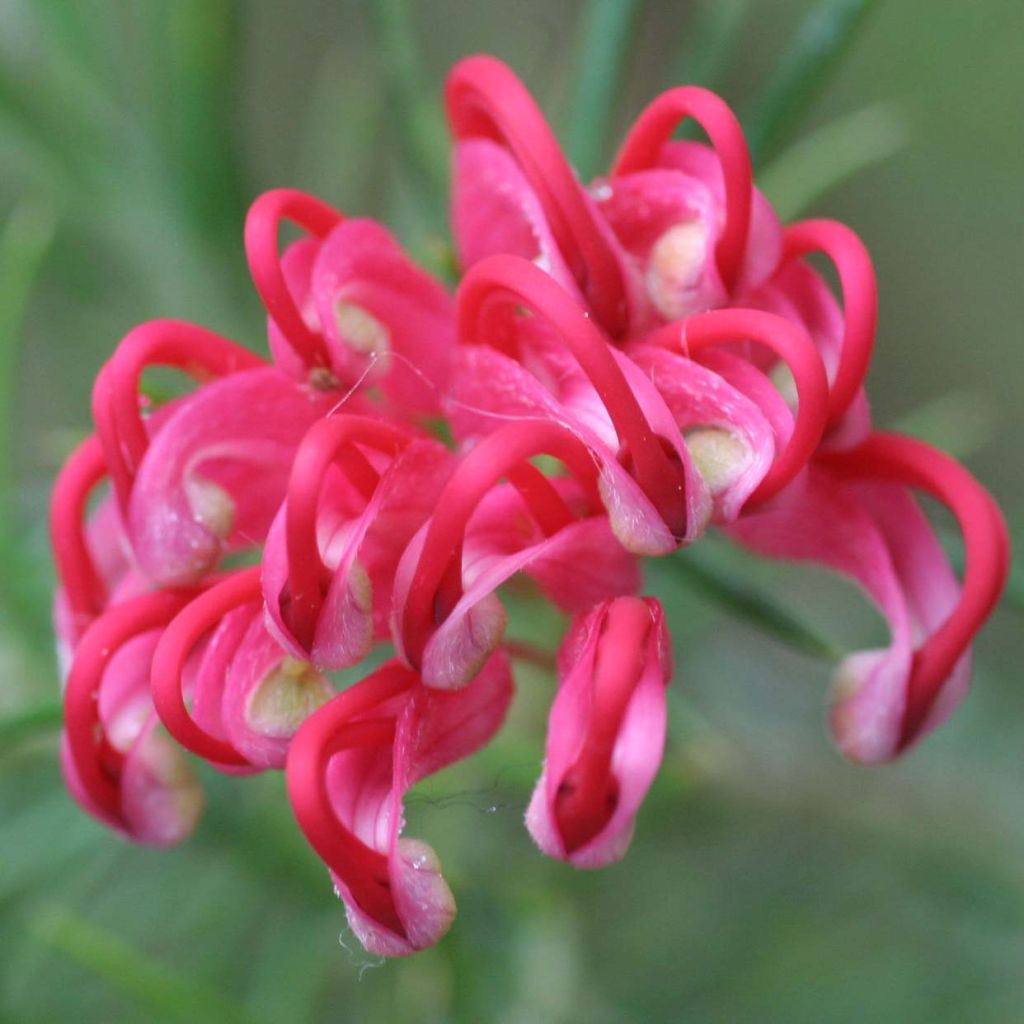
[
  {"x": 30, "y": 722},
  {"x": 757, "y": 608},
  {"x": 822, "y": 161},
  {"x": 606, "y": 29},
  {"x": 821, "y": 42},
  {"x": 716, "y": 28},
  {"x": 24, "y": 242},
  {"x": 421, "y": 134},
  {"x": 124, "y": 968},
  {"x": 203, "y": 42}
]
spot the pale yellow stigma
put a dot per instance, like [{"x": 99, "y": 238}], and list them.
[
  {"x": 286, "y": 698},
  {"x": 211, "y": 505},
  {"x": 675, "y": 268},
  {"x": 719, "y": 455},
  {"x": 362, "y": 330}
]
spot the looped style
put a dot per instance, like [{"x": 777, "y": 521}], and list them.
[
  {"x": 436, "y": 582},
  {"x": 484, "y": 98},
  {"x": 654, "y": 128},
  {"x": 176, "y": 645},
  {"x": 352, "y": 720},
  {"x": 336, "y": 440},
  {"x": 261, "y": 248},
  {"x": 497, "y": 283},
  {"x": 348, "y": 770},
  {"x": 794, "y": 347},
  {"x": 904, "y": 460},
  {"x": 77, "y": 573},
  {"x": 98, "y": 765},
  {"x": 194, "y": 350},
  {"x": 860, "y": 301}
]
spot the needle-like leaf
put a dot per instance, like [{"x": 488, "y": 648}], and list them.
[
  {"x": 747, "y": 602},
  {"x": 823, "y": 160},
  {"x": 820, "y": 43},
  {"x": 606, "y": 28}
]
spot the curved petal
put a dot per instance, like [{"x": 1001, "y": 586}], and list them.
[
  {"x": 407, "y": 733},
  {"x": 267, "y": 695},
  {"x": 362, "y": 550},
  {"x": 668, "y": 223},
  {"x": 764, "y": 244},
  {"x": 629, "y": 726},
  {"x": 727, "y": 435},
  {"x": 297, "y": 270},
  {"x": 381, "y": 314},
  {"x": 159, "y": 799},
  {"x": 214, "y": 476},
  {"x": 494, "y": 210},
  {"x": 489, "y": 389}
]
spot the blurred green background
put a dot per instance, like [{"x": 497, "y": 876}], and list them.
[{"x": 769, "y": 881}]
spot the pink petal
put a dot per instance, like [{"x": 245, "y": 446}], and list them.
[
  {"x": 160, "y": 798},
  {"x": 764, "y": 246},
  {"x": 214, "y": 476},
  {"x": 638, "y": 744},
  {"x": 727, "y": 435},
  {"x": 267, "y": 696},
  {"x": 367, "y": 788},
  {"x": 297, "y": 268},
  {"x": 475, "y": 626},
  {"x": 489, "y": 389},
  {"x": 668, "y": 223},
  {"x": 362, "y": 550},
  {"x": 494, "y": 210},
  {"x": 381, "y": 313}
]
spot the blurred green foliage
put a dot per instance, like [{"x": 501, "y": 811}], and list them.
[{"x": 769, "y": 881}]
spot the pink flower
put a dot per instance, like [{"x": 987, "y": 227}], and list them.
[
  {"x": 347, "y": 305},
  {"x": 331, "y": 554},
  {"x": 605, "y": 733},
  {"x": 249, "y": 695},
  {"x": 117, "y": 764},
  {"x": 447, "y": 620},
  {"x": 348, "y": 770},
  {"x": 620, "y": 369},
  {"x": 854, "y": 513}
]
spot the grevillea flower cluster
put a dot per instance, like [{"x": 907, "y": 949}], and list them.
[{"x": 622, "y": 366}]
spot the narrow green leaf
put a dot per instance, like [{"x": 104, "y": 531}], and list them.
[
  {"x": 606, "y": 29},
  {"x": 30, "y": 722},
  {"x": 421, "y": 133},
  {"x": 24, "y": 241},
  {"x": 959, "y": 422},
  {"x": 125, "y": 968},
  {"x": 820, "y": 44},
  {"x": 202, "y": 39},
  {"x": 757, "y": 608},
  {"x": 822, "y": 161},
  {"x": 713, "y": 35}
]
